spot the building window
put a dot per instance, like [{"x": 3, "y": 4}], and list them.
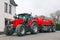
[
  {"x": 10, "y": 9},
  {"x": 6, "y": 7}
]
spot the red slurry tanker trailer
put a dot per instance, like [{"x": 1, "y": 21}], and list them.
[{"x": 46, "y": 25}]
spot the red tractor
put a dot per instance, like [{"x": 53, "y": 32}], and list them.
[
  {"x": 21, "y": 24},
  {"x": 46, "y": 25}
]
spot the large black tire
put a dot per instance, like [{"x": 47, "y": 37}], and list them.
[
  {"x": 54, "y": 29},
  {"x": 20, "y": 30},
  {"x": 34, "y": 28},
  {"x": 49, "y": 29},
  {"x": 7, "y": 30}
]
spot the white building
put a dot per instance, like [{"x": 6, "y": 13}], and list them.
[{"x": 7, "y": 11}]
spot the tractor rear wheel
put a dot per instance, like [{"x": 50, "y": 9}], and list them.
[
  {"x": 20, "y": 30},
  {"x": 34, "y": 28}
]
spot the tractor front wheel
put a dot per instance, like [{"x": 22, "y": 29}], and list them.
[{"x": 7, "y": 30}]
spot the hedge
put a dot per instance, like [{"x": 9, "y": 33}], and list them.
[{"x": 57, "y": 26}]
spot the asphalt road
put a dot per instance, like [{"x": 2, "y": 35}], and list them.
[{"x": 39, "y": 36}]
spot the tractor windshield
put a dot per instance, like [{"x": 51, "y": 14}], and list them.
[
  {"x": 25, "y": 17},
  {"x": 21, "y": 16}
]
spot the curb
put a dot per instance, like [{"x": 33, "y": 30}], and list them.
[{"x": 1, "y": 33}]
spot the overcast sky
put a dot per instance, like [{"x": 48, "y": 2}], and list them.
[{"x": 38, "y": 7}]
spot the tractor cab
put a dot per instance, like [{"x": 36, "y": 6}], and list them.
[{"x": 25, "y": 17}]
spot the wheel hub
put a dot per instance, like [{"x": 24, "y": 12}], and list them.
[
  {"x": 22, "y": 31},
  {"x": 35, "y": 28}
]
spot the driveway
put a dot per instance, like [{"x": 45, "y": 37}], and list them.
[{"x": 39, "y": 36}]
